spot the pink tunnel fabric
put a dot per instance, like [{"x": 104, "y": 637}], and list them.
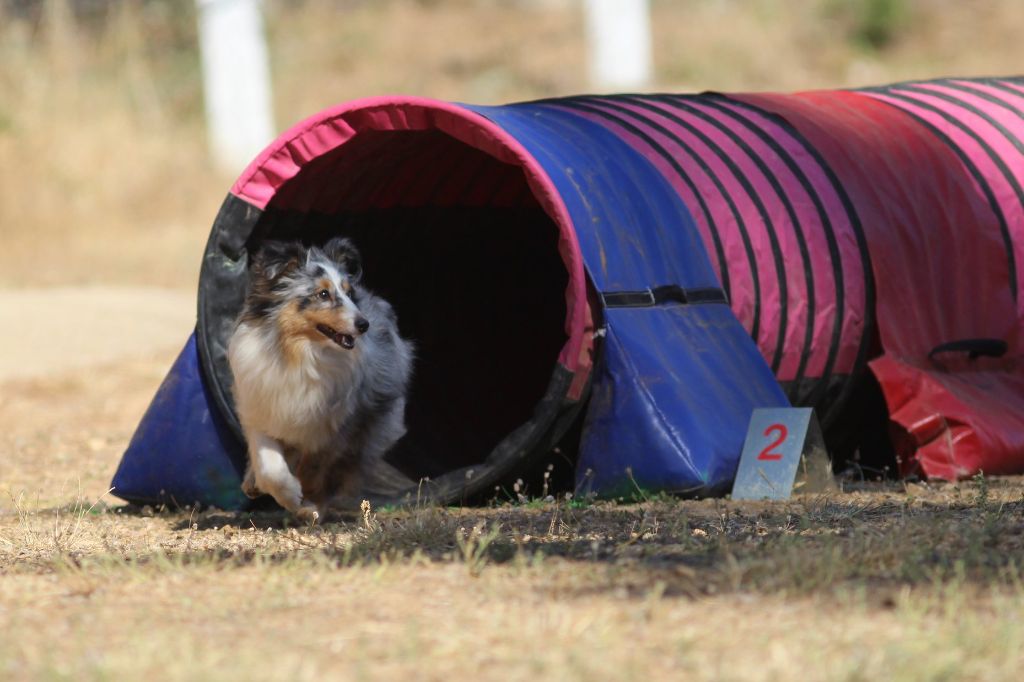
[
  {"x": 772, "y": 220},
  {"x": 980, "y": 121},
  {"x": 942, "y": 274}
]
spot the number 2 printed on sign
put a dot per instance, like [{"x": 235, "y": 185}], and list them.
[{"x": 767, "y": 452}]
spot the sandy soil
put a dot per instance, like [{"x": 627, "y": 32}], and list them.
[
  {"x": 49, "y": 331},
  {"x": 78, "y": 367}
]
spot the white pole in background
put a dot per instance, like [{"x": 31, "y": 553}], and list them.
[
  {"x": 619, "y": 43},
  {"x": 236, "y": 81}
]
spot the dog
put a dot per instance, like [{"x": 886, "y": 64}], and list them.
[{"x": 320, "y": 373}]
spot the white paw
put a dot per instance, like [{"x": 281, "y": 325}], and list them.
[{"x": 287, "y": 493}]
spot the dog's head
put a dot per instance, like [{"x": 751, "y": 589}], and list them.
[{"x": 309, "y": 292}]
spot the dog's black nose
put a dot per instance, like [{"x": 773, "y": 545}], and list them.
[{"x": 362, "y": 324}]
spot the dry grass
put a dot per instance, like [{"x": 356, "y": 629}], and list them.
[
  {"x": 105, "y": 180},
  {"x": 915, "y": 583},
  {"x": 882, "y": 581},
  {"x": 96, "y": 157},
  {"x": 779, "y": 45}
]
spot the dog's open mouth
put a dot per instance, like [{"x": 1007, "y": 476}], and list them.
[{"x": 343, "y": 340}]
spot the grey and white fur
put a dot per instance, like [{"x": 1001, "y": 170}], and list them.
[{"x": 320, "y": 376}]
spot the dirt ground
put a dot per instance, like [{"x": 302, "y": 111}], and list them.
[
  {"x": 885, "y": 581},
  {"x": 72, "y": 388}
]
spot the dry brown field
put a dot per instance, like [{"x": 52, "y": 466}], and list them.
[{"x": 106, "y": 197}]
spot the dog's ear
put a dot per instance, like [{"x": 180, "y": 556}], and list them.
[
  {"x": 274, "y": 258},
  {"x": 343, "y": 252}
]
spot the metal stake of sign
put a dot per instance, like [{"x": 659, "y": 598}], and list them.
[{"x": 784, "y": 451}]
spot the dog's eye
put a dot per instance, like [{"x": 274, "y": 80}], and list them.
[{"x": 323, "y": 295}]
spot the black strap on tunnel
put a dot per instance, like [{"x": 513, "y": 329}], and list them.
[
  {"x": 737, "y": 174},
  {"x": 670, "y": 293},
  {"x": 686, "y": 179},
  {"x": 975, "y": 348},
  {"x": 686, "y": 104}
]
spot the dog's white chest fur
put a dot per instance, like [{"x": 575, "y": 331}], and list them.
[{"x": 299, "y": 401}]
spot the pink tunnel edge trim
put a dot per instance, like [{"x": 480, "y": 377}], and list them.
[{"x": 323, "y": 132}]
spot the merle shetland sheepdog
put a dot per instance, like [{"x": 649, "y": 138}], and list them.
[{"x": 320, "y": 375}]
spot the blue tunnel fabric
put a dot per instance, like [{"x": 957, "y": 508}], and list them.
[
  {"x": 676, "y": 384},
  {"x": 673, "y": 383},
  {"x": 633, "y": 229},
  {"x": 183, "y": 451},
  {"x": 670, "y": 402}
]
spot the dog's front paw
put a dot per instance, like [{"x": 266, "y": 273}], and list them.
[
  {"x": 249, "y": 486},
  {"x": 307, "y": 513}
]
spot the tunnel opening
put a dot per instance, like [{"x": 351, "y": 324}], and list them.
[{"x": 459, "y": 233}]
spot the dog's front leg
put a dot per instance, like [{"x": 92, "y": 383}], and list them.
[
  {"x": 249, "y": 486},
  {"x": 272, "y": 476}
]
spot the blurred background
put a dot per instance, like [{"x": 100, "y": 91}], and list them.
[{"x": 105, "y": 173}]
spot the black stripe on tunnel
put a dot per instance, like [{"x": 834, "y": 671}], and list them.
[
  {"x": 747, "y": 245},
  {"x": 971, "y": 167},
  {"x": 683, "y": 176},
  {"x": 718, "y": 103},
  {"x": 821, "y": 389},
  {"x": 972, "y": 88},
  {"x": 748, "y": 189},
  {"x": 1003, "y": 84},
  {"x": 680, "y": 103}
]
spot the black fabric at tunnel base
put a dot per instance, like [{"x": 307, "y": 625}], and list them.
[{"x": 481, "y": 293}]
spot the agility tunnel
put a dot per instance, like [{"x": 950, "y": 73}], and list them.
[{"x": 642, "y": 271}]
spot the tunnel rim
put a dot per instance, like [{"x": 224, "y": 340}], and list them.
[{"x": 255, "y": 189}]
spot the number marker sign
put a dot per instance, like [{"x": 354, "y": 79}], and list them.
[{"x": 779, "y": 441}]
